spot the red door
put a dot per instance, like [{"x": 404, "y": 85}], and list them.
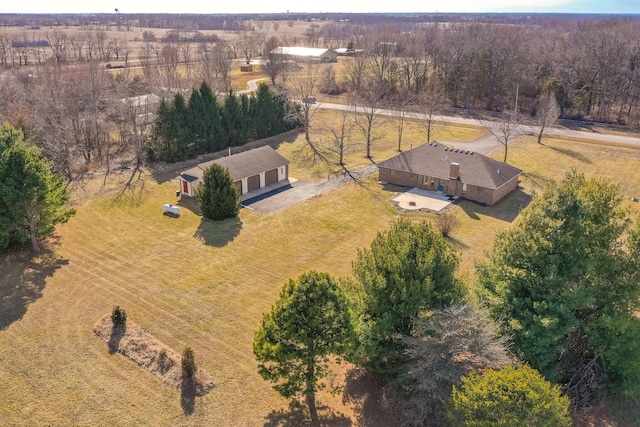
[{"x": 185, "y": 187}]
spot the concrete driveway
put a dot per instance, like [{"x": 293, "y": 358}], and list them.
[{"x": 299, "y": 191}]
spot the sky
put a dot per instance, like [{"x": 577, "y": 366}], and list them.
[{"x": 282, "y": 6}]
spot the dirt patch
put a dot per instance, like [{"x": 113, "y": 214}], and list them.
[{"x": 151, "y": 355}]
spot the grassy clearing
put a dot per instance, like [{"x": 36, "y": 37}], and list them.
[
  {"x": 190, "y": 282},
  {"x": 239, "y": 78}
]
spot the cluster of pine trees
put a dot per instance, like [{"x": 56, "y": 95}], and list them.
[{"x": 184, "y": 129}]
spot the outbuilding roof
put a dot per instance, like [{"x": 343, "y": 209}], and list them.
[
  {"x": 241, "y": 165},
  {"x": 434, "y": 159},
  {"x": 301, "y": 51}
]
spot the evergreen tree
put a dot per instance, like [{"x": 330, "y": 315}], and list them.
[
  {"x": 180, "y": 130},
  {"x": 566, "y": 282},
  {"x": 160, "y": 146},
  {"x": 244, "y": 128},
  {"x": 305, "y": 326},
  {"x": 32, "y": 198},
  {"x": 232, "y": 120},
  {"x": 197, "y": 117},
  {"x": 264, "y": 113},
  {"x": 212, "y": 119},
  {"x": 408, "y": 268},
  {"x": 217, "y": 195}
]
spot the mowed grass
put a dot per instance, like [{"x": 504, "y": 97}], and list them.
[
  {"x": 191, "y": 282},
  {"x": 186, "y": 281}
]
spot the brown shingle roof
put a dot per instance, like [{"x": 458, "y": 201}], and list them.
[
  {"x": 433, "y": 159},
  {"x": 245, "y": 164}
]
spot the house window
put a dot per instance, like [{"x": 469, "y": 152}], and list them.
[{"x": 464, "y": 186}]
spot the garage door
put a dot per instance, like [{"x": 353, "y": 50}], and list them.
[
  {"x": 271, "y": 177},
  {"x": 253, "y": 183}
]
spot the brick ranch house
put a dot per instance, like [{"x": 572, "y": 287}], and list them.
[
  {"x": 436, "y": 167},
  {"x": 250, "y": 171}
]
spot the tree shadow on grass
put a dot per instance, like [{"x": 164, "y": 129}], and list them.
[
  {"x": 297, "y": 415},
  {"x": 190, "y": 203},
  {"x": 188, "y": 392},
  {"x": 218, "y": 233},
  {"x": 23, "y": 276},
  {"x": 364, "y": 392},
  {"x": 570, "y": 153},
  {"x": 117, "y": 332}
]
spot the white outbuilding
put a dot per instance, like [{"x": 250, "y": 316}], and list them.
[{"x": 306, "y": 54}]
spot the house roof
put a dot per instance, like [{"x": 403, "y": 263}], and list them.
[
  {"x": 433, "y": 159},
  {"x": 301, "y": 51},
  {"x": 241, "y": 165}
]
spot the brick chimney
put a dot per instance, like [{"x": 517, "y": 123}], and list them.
[{"x": 454, "y": 170}]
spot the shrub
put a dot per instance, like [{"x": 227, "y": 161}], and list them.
[
  {"x": 189, "y": 367},
  {"x": 446, "y": 223},
  {"x": 118, "y": 316},
  {"x": 509, "y": 397}
]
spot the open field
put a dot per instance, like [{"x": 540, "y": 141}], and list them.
[{"x": 190, "y": 282}]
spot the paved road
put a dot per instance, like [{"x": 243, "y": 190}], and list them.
[{"x": 617, "y": 139}]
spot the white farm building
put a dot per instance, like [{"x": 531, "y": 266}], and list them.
[{"x": 305, "y": 54}]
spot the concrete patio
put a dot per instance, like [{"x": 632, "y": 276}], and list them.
[{"x": 416, "y": 199}]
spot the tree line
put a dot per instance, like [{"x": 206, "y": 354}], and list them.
[
  {"x": 590, "y": 66},
  {"x": 184, "y": 129}
]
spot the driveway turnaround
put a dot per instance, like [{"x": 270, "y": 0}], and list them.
[{"x": 303, "y": 190}]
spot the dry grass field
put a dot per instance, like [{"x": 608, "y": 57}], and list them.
[{"x": 191, "y": 282}]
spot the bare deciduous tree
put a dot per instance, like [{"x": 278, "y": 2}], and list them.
[
  {"x": 505, "y": 129},
  {"x": 340, "y": 135},
  {"x": 547, "y": 113},
  {"x": 305, "y": 85},
  {"x": 429, "y": 104},
  {"x": 401, "y": 103},
  {"x": 367, "y": 117},
  {"x": 442, "y": 349}
]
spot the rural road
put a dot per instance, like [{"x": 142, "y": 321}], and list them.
[
  {"x": 484, "y": 143},
  {"x": 617, "y": 139}
]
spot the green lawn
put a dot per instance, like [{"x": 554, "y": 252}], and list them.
[{"x": 190, "y": 282}]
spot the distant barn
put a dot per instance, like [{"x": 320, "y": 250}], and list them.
[{"x": 305, "y": 54}]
